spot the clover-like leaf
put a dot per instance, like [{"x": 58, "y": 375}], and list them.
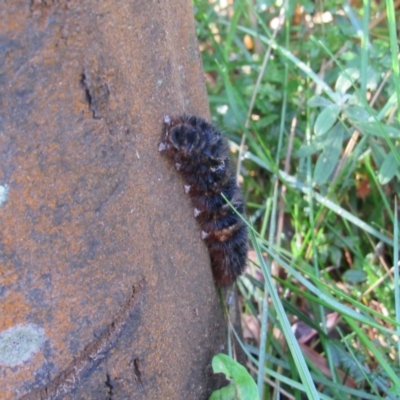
[{"x": 241, "y": 386}]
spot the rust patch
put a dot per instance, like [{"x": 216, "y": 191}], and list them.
[
  {"x": 91, "y": 355},
  {"x": 14, "y": 309}
]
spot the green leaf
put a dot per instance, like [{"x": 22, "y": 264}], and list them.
[
  {"x": 267, "y": 121},
  {"x": 306, "y": 150},
  {"x": 378, "y": 153},
  {"x": 318, "y": 101},
  {"x": 242, "y": 385},
  {"x": 346, "y": 79},
  {"x": 377, "y": 129},
  {"x": 388, "y": 169},
  {"x": 354, "y": 276},
  {"x": 357, "y": 113},
  {"x": 326, "y": 119},
  {"x": 328, "y": 159}
]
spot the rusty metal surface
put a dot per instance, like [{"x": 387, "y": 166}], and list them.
[{"x": 105, "y": 286}]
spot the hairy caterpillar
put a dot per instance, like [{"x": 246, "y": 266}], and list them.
[{"x": 201, "y": 155}]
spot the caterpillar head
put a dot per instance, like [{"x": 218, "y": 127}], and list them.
[{"x": 179, "y": 137}]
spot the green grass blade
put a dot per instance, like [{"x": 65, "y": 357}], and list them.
[{"x": 298, "y": 357}]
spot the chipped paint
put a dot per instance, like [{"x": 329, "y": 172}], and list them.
[
  {"x": 19, "y": 343},
  {"x": 3, "y": 194}
]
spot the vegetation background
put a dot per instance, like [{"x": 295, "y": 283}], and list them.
[{"x": 308, "y": 92}]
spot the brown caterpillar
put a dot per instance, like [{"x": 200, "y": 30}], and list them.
[{"x": 201, "y": 155}]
